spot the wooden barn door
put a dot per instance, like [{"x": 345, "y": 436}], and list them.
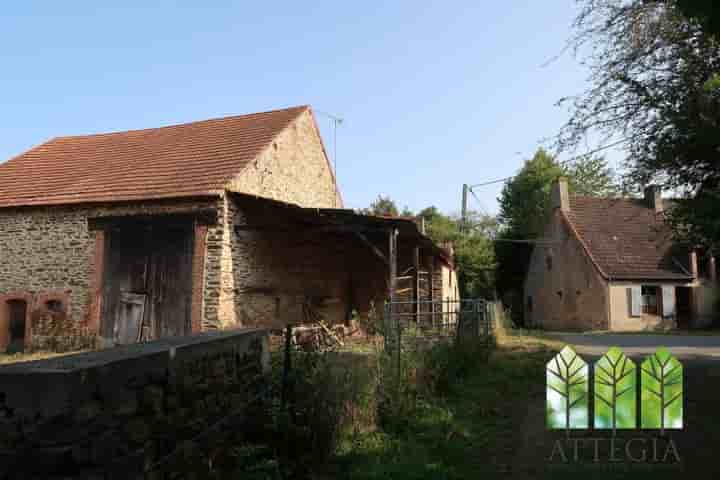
[
  {"x": 170, "y": 282},
  {"x": 148, "y": 279}
]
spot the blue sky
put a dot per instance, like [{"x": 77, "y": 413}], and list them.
[{"x": 433, "y": 94}]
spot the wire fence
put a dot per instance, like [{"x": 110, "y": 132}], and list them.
[{"x": 411, "y": 324}]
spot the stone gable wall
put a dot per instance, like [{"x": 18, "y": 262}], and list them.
[
  {"x": 570, "y": 294},
  {"x": 293, "y": 169}
]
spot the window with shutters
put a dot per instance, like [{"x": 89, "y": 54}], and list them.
[{"x": 649, "y": 299}]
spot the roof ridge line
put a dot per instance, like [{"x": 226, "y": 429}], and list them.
[
  {"x": 193, "y": 122},
  {"x": 579, "y": 238}
]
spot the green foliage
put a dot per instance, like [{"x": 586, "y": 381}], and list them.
[
  {"x": 704, "y": 11},
  {"x": 591, "y": 176},
  {"x": 655, "y": 86},
  {"x": 448, "y": 365},
  {"x": 696, "y": 220},
  {"x": 469, "y": 430},
  {"x": 305, "y": 430},
  {"x": 525, "y": 199},
  {"x": 382, "y": 206},
  {"x": 474, "y": 253},
  {"x": 615, "y": 391}
]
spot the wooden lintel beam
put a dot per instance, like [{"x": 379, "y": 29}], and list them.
[{"x": 352, "y": 229}]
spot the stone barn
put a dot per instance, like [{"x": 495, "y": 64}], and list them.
[{"x": 124, "y": 237}]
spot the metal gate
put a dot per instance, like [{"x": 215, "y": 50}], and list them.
[{"x": 425, "y": 321}]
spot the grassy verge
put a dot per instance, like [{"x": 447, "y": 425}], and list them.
[{"x": 470, "y": 429}]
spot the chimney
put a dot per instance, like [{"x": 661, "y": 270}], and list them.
[
  {"x": 559, "y": 195},
  {"x": 653, "y": 199}
]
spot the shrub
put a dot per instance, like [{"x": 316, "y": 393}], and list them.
[{"x": 327, "y": 392}]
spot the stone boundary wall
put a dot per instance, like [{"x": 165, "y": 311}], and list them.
[{"x": 123, "y": 412}]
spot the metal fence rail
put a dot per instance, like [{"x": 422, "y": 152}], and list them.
[{"x": 436, "y": 319}]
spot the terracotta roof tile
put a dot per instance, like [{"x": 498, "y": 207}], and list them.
[
  {"x": 192, "y": 159},
  {"x": 626, "y": 239}
]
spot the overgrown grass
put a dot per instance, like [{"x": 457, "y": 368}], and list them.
[{"x": 464, "y": 418}]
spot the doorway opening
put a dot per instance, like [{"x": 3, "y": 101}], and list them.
[
  {"x": 684, "y": 306},
  {"x": 17, "y": 316}
]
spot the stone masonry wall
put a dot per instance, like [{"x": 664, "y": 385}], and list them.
[
  {"x": 293, "y": 169},
  {"x": 567, "y": 292},
  {"x": 273, "y": 274},
  {"x": 130, "y": 412},
  {"x": 50, "y": 251}
]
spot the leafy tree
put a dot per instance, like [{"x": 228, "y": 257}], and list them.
[
  {"x": 439, "y": 227},
  {"x": 591, "y": 176},
  {"x": 474, "y": 255},
  {"x": 707, "y": 12},
  {"x": 654, "y": 86},
  {"x": 406, "y": 212},
  {"x": 525, "y": 198},
  {"x": 382, "y": 206}
]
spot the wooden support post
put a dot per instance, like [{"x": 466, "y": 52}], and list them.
[
  {"x": 392, "y": 323},
  {"x": 431, "y": 289},
  {"x": 416, "y": 283},
  {"x": 712, "y": 269},
  {"x": 392, "y": 260}
]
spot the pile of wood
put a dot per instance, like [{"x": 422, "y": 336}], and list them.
[{"x": 318, "y": 336}]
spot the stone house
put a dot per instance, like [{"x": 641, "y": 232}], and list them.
[
  {"x": 121, "y": 237},
  {"x": 610, "y": 264}
]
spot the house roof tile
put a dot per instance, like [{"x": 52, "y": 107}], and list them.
[
  {"x": 626, "y": 239},
  {"x": 191, "y": 159}
]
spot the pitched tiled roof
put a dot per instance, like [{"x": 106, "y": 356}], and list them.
[
  {"x": 626, "y": 239},
  {"x": 192, "y": 159}
]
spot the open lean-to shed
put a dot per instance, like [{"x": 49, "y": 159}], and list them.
[{"x": 122, "y": 237}]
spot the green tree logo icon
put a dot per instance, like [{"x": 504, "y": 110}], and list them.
[
  {"x": 615, "y": 391},
  {"x": 662, "y": 391},
  {"x": 567, "y": 391}
]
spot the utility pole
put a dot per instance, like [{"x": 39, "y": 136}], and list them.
[{"x": 463, "y": 210}]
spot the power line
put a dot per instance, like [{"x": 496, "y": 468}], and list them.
[
  {"x": 564, "y": 162},
  {"x": 482, "y": 207}
]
